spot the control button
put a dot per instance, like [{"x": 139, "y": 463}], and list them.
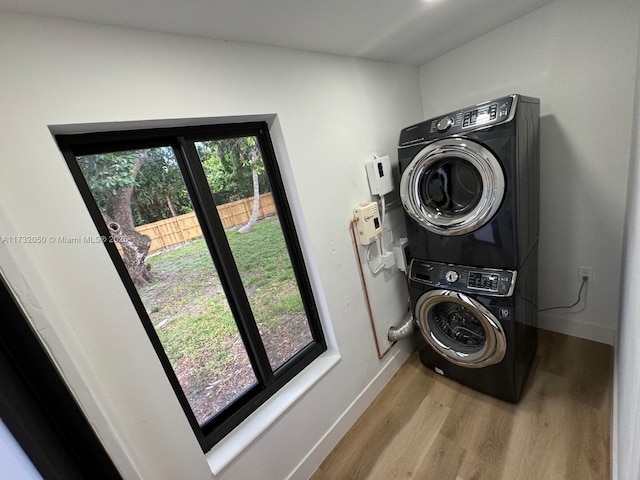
[
  {"x": 451, "y": 276},
  {"x": 445, "y": 124}
]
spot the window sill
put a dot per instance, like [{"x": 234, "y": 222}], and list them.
[{"x": 242, "y": 436}]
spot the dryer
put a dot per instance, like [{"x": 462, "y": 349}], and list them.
[
  {"x": 469, "y": 184},
  {"x": 478, "y": 326}
]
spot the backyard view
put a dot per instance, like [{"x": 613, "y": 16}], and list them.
[
  {"x": 179, "y": 285},
  {"x": 194, "y": 322}
]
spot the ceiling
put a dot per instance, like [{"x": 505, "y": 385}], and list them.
[{"x": 405, "y": 31}]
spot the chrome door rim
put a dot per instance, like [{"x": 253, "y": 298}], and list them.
[
  {"x": 495, "y": 346},
  {"x": 487, "y": 166}
]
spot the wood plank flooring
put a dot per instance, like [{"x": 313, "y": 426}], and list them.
[{"x": 424, "y": 426}]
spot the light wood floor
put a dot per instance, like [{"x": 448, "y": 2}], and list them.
[{"x": 423, "y": 426}]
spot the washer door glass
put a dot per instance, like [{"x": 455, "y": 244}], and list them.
[
  {"x": 457, "y": 326},
  {"x": 460, "y": 328},
  {"x": 452, "y": 186}
]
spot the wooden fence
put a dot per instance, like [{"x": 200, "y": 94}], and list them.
[{"x": 175, "y": 230}]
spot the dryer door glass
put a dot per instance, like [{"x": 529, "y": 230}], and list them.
[
  {"x": 460, "y": 328},
  {"x": 452, "y": 187}
]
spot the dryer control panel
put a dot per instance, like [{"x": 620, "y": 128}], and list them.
[
  {"x": 479, "y": 116},
  {"x": 484, "y": 281}
]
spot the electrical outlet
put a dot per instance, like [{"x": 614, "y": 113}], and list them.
[{"x": 585, "y": 272}]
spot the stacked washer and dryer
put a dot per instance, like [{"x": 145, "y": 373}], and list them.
[{"x": 469, "y": 187}]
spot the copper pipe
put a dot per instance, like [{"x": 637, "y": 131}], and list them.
[{"x": 381, "y": 355}]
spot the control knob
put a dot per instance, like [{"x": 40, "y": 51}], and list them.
[
  {"x": 451, "y": 276},
  {"x": 444, "y": 124}
]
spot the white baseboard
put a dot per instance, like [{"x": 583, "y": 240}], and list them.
[
  {"x": 397, "y": 357},
  {"x": 576, "y": 328}
]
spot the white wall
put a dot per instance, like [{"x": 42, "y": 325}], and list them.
[
  {"x": 579, "y": 58},
  {"x": 626, "y": 418},
  {"x": 333, "y": 114}
]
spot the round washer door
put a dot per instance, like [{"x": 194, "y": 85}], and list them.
[
  {"x": 452, "y": 187},
  {"x": 460, "y": 328}
]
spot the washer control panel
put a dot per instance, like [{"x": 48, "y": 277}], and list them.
[
  {"x": 485, "y": 281},
  {"x": 483, "y": 115}
]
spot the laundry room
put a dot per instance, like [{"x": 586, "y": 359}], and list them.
[{"x": 322, "y": 116}]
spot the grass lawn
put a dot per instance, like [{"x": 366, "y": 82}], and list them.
[{"x": 189, "y": 309}]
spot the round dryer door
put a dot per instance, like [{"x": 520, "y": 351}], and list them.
[
  {"x": 452, "y": 187},
  {"x": 460, "y": 328}
]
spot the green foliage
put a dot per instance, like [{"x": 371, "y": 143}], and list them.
[
  {"x": 158, "y": 183},
  {"x": 107, "y": 173},
  {"x": 228, "y": 165}
]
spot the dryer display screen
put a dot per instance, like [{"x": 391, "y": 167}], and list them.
[
  {"x": 483, "y": 281},
  {"x": 481, "y": 115}
]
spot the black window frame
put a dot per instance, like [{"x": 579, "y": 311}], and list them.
[{"x": 182, "y": 139}]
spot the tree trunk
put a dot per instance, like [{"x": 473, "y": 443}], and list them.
[
  {"x": 119, "y": 219},
  {"x": 172, "y": 207},
  {"x": 256, "y": 196},
  {"x": 135, "y": 248}
]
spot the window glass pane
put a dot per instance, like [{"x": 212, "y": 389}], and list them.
[
  {"x": 144, "y": 202},
  {"x": 240, "y": 187}
]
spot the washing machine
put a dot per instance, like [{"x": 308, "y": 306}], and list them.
[
  {"x": 469, "y": 184},
  {"x": 478, "y": 324}
]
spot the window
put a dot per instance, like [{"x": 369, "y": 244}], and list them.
[{"x": 197, "y": 224}]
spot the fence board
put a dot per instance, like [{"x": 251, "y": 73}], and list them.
[{"x": 172, "y": 231}]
